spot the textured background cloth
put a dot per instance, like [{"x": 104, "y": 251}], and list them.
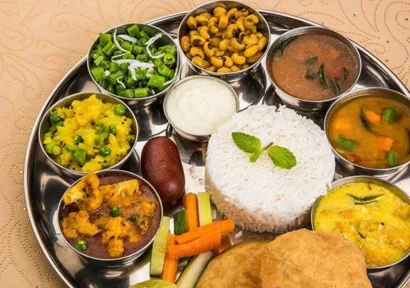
[{"x": 41, "y": 40}]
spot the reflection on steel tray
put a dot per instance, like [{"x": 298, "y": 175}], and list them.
[{"x": 44, "y": 184}]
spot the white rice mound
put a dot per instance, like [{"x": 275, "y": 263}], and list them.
[{"x": 259, "y": 196}]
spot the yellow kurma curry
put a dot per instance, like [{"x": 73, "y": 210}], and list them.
[
  {"x": 371, "y": 216},
  {"x": 109, "y": 221}
]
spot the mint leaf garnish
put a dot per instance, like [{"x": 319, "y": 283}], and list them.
[
  {"x": 247, "y": 143},
  {"x": 282, "y": 157},
  {"x": 254, "y": 157}
]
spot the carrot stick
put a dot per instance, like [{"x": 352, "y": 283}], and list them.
[
  {"x": 171, "y": 264},
  {"x": 191, "y": 207},
  {"x": 200, "y": 245},
  {"x": 224, "y": 226},
  {"x": 384, "y": 143},
  {"x": 373, "y": 117},
  {"x": 225, "y": 244}
]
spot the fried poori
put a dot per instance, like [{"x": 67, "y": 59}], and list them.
[
  {"x": 307, "y": 259},
  {"x": 237, "y": 267}
]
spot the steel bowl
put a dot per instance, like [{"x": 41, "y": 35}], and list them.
[
  {"x": 263, "y": 27},
  {"x": 125, "y": 260},
  {"x": 65, "y": 102},
  {"x": 137, "y": 102},
  {"x": 366, "y": 179},
  {"x": 379, "y": 92},
  {"x": 302, "y": 104},
  {"x": 189, "y": 136}
]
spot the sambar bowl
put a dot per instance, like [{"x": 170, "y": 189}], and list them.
[
  {"x": 303, "y": 104},
  {"x": 165, "y": 39},
  {"x": 354, "y": 167},
  {"x": 66, "y": 102},
  {"x": 262, "y": 27},
  {"x": 108, "y": 178},
  {"x": 364, "y": 179}
]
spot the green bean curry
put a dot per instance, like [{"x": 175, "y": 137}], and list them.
[
  {"x": 314, "y": 67},
  {"x": 371, "y": 131}
]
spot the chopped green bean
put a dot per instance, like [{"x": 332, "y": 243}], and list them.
[
  {"x": 98, "y": 73},
  {"x": 168, "y": 59},
  {"x": 156, "y": 81},
  {"x": 140, "y": 74},
  {"x": 133, "y": 30},
  {"x": 104, "y": 38},
  {"x": 127, "y": 93},
  {"x": 98, "y": 60},
  {"x": 137, "y": 49},
  {"x": 142, "y": 57},
  {"x": 109, "y": 48},
  {"x": 158, "y": 62},
  {"x": 113, "y": 67},
  {"x": 164, "y": 71},
  {"x": 392, "y": 158},
  {"x": 141, "y": 92}
]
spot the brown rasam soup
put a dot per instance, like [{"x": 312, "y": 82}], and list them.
[
  {"x": 371, "y": 131},
  {"x": 125, "y": 220},
  {"x": 314, "y": 67}
]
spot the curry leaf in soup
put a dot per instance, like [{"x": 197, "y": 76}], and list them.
[
  {"x": 321, "y": 74},
  {"x": 310, "y": 74},
  {"x": 246, "y": 142},
  {"x": 310, "y": 61},
  {"x": 345, "y": 73},
  {"x": 285, "y": 44},
  {"x": 335, "y": 86}
]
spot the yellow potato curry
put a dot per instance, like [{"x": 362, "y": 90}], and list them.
[
  {"x": 109, "y": 220},
  {"x": 89, "y": 135},
  {"x": 371, "y": 131},
  {"x": 371, "y": 216}
]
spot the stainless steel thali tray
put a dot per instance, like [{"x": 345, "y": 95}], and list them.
[{"x": 44, "y": 184}]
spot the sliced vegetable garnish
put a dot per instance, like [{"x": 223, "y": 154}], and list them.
[
  {"x": 285, "y": 44},
  {"x": 321, "y": 75},
  {"x": 345, "y": 73},
  {"x": 345, "y": 143},
  {"x": 310, "y": 74},
  {"x": 335, "y": 86},
  {"x": 310, "y": 61},
  {"x": 357, "y": 200}
]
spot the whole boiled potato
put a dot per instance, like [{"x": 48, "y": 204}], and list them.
[{"x": 161, "y": 166}]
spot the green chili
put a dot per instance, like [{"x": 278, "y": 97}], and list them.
[
  {"x": 345, "y": 143},
  {"x": 389, "y": 115}
]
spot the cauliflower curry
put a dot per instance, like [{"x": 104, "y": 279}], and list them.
[{"x": 107, "y": 218}]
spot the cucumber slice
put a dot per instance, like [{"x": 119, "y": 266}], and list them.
[
  {"x": 180, "y": 224},
  {"x": 159, "y": 248},
  {"x": 204, "y": 208},
  {"x": 193, "y": 271}
]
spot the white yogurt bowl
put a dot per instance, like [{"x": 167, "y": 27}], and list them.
[{"x": 197, "y": 105}]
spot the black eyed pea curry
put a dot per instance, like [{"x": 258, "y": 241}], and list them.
[
  {"x": 105, "y": 220},
  {"x": 225, "y": 41},
  {"x": 89, "y": 135},
  {"x": 371, "y": 131}
]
